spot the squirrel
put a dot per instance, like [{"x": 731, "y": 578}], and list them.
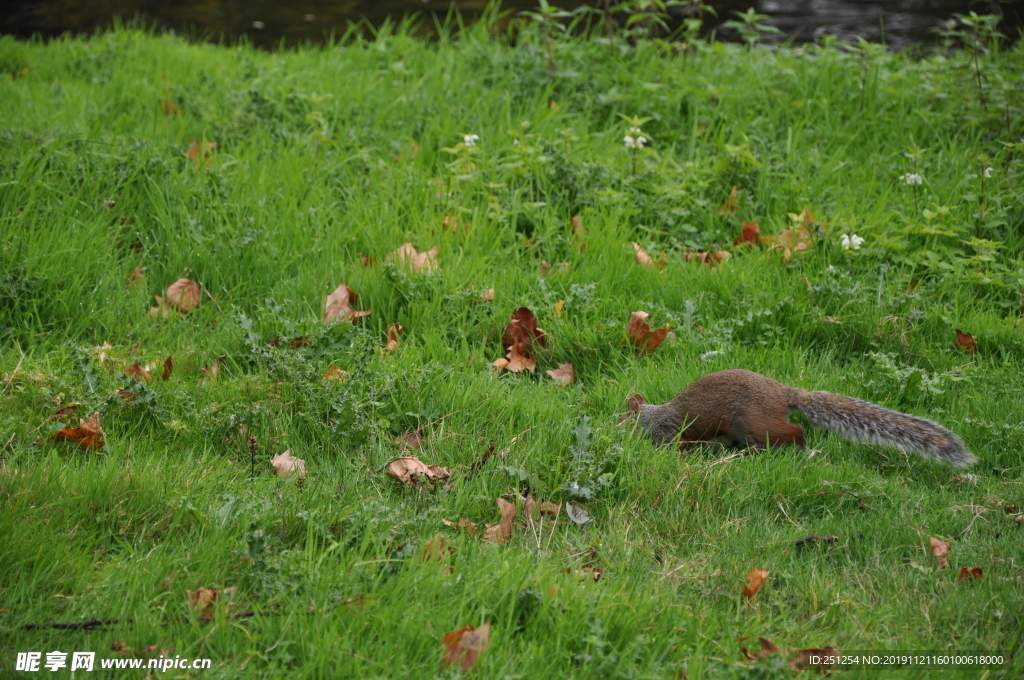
[{"x": 743, "y": 408}]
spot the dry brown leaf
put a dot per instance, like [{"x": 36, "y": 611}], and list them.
[
  {"x": 366, "y": 261},
  {"x": 203, "y": 599},
  {"x": 335, "y": 373},
  {"x": 502, "y": 532},
  {"x": 969, "y": 574},
  {"x": 563, "y": 375},
  {"x": 940, "y": 550},
  {"x": 487, "y": 295},
  {"x": 168, "y": 368},
  {"x": 640, "y": 333},
  {"x": 413, "y": 471},
  {"x": 394, "y": 331},
  {"x": 136, "y": 275},
  {"x": 138, "y": 373},
  {"x": 214, "y": 370},
  {"x": 464, "y": 523},
  {"x": 338, "y": 306},
  {"x": 767, "y": 649},
  {"x": 410, "y": 440},
  {"x": 125, "y": 394},
  {"x": 88, "y": 434},
  {"x": 730, "y": 204},
  {"x": 534, "y": 510},
  {"x": 64, "y": 411},
  {"x": 645, "y": 260},
  {"x": 757, "y": 577},
  {"x": 517, "y": 363},
  {"x": 559, "y": 306},
  {"x": 437, "y": 549},
  {"x": 464, "y": 646},
  {"x": 406, "y": 256},
  {"x": 522, "y": 331},
  {"x": 710, "y": 259},
  {"x": 182, "y": 296},
  {"x": 965, "y": 341},
  {"x": 751, "y": 234},
  {"x": 298, "y": 342},
  {"x": 500, "y": 365},
  {"x": 285, "y": 464}
]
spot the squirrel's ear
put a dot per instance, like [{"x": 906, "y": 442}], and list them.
[{"x": 635, "y": 401}]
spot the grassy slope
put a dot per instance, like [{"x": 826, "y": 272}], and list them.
[{"x": 301, "y": 184}]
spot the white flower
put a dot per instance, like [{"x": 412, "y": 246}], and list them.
[
  {"x": 988, "y": 172},
  {"x": 632, "y": 142},
  {"x": 470, "y": 140},
  {"x": 851, "y": 242},
  {"x": 911, "y": 179}
]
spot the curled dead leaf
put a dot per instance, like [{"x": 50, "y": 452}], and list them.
[
  {"x": 214, "y": 370},
  {"x": 410, "y": 440},
  {"x": 406, "y": 256},
  {"x": 436, "y": 549},
  {"x": 138, "y": 373},
  {"x": 966, "y": 341},
  {"x": 518, "y": 363},
  {"x": 645, "y": 260},
  {"x": 203, "y": 599},
  {"x": 487, "y": 295},
  {"x": 64, "y": 411},
  {"x": 168, "y": 369},
  {"x": 730, "y": 203},
  {"x": 335, "y": 373},
  {"x": 969, "y": 574},
  {"x": 564, "y": 375},
  {"x": 285, "y": 464},
  {"x": 522, "y": 331},
  {"x": 940, "y": 550},
  {"x": 182, "y": 296},
  {"x": 751, "y": 233},
  {"x": 640, "y": 333},
  {"x": 756, "y": 578},
  {"x": 464, "y": 646},
  {"x": 414, "y": 472},
  {"x": 338, "y": 306},
  {"x": 394, "y": 331},
  {"x": 500, "y": 365},
  {"x": 88, "y": 434},
  {"x": 767, "y": 648},
  {"x": 502, "y": 531},
  {"x": 709, "y": 258}
]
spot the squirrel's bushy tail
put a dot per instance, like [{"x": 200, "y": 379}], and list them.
[{"x": 863, "y": 421}]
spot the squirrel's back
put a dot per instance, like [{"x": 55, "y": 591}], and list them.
[{"x": 740, "y": 407}]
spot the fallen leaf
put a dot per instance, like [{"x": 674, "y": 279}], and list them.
[
  {"x": 335, "y": 373},
  {"x": 412, "y": 471},
  {"x": 972, "y": 574},
  {"x": 940, "y": 549},
  {"x": 730, "y": 204},
  {"x": 483, "y": 459},
  {"x": 563, "y": 375},
  {"x": 406, "y": 256},
  {"x": 711, "y": 259},
  {"x": 757, "y": 577},
  {"x": 125, "y": 394},
  {"x": 394, "y": 330},
  {"x": 366, "y": 261},
  {"x": 502, "y": 532},
  {"x": 640, "y": 333},
  {"x": 487, "y": 295},
  {"x": 337, "y": 307},
  {"x": 517, "y": 363},
  {"x": 751, "y": 234},
  {"x": 70, "y": 408},
  {"x": 500, "y": 365},
  {"x": 409, "y": 440},
  {"x": 437, "y": 549},
  {"x": 965, "y": 341},
  {"x": 88, "y": 434},
  {"x": 767, "y": 648},
  {"x": 522, "y": 331},
  {"x": 168, "y": 369},
  {"x": 214, "y": 370},
  {"x": 559, "y": 306},
  {"x": 464, "y": 523},
  {"x": 464, "y": 646},
  {"x": 298, "y": 342},
  {"x": 138, "y": 373},
  {"x": 136, "y": 275},
  {"x": 194, "y": 150},
  {"x": 560, "y": 267},
  {"x": 645, "y": 260},
  {"x": 182, "y": 295},
  {"x": 203, "y": 599},
  {"x": 285, "y": 464},
  {"x": 820, "y": 659}
]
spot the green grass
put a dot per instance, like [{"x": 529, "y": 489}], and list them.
[{"x": 328, "y": 153}]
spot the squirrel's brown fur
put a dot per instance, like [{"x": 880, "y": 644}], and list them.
[{"x": 744, "y": 408}]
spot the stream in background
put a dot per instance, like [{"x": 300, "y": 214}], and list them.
[{"x": 267, "y": 22}]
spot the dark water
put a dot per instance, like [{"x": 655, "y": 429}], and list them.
[{"x": 267, "y": 22}]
